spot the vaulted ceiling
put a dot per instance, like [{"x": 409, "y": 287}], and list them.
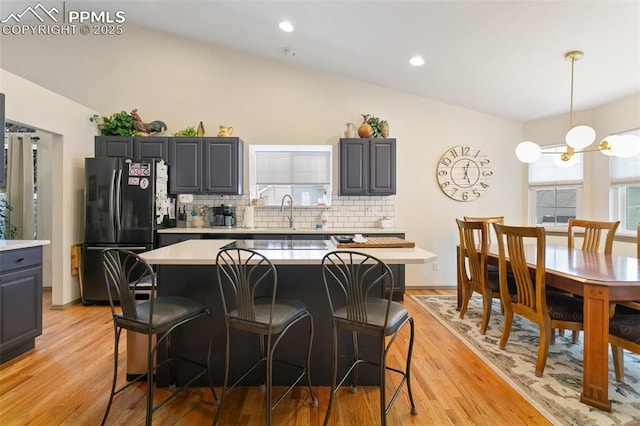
[{"x": 504, "y": 58}]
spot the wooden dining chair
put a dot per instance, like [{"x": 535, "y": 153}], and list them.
[
  {"x": 593, "y": 231},
  {"x": 532, "y": 300},
  {"x": 493, "y": 270},
  {"x": 472, "y": 268},
  {"x": 624, "y": 329},
  {"x": 624, "y": 333},
  {"x": 592, "y": 234}
]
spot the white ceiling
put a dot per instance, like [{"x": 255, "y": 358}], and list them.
[{"x": 504, "y": 58}]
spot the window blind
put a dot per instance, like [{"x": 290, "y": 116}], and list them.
[
  {"x": 293, "y": 167},
  {"x": 545, "y": 171},
  {"x": 625, "y": 170}
]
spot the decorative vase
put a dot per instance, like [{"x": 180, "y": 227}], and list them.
[
  {"x": 350, "y": 131},
  {"x": 225, "y": 131},
  {"x": 365, "y": 130},
  {"x": 198, "y": 221},
  {"x": 200, "y": 131},
  {"x": 384, "y": 129}
]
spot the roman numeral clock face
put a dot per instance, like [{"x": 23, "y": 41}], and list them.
[{"x": 464, "y": 173}]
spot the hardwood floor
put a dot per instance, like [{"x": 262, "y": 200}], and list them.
[{"x": 66, "y": 381}]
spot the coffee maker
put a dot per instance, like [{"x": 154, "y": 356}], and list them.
[
  {"x": 223, "y": 215},
  {"x": 229, "y": 214},
  {"x": 217, "y": 216}
]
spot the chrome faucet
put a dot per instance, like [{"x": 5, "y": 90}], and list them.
[{"x": 290, "y": 217}]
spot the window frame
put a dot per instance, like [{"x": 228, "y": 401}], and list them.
[
  {"x": 556, "y": 184},
  {"x": 328, "y": 188}
]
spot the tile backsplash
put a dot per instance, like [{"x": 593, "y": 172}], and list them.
[{"x": 345, "y": 212}]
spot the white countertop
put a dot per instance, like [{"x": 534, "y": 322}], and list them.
[
  {"x": 6, "y": 245},
  {"x": 203, "y": 252},
  {"x": 329, "y": 231}
]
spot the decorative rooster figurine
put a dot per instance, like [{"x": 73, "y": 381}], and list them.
[{"x": 145, "y": 129}]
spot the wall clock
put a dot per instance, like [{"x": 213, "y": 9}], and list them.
[{"x": 464, "y": 173}]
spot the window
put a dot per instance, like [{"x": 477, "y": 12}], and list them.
[
  {"x": 554, "y": 188},
  {"x": 624, "y": 176},
  {"x": 302, "y": 171}
]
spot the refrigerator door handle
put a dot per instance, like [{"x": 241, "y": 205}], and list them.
[
  {"x": 112, "y": 233},
  {"x": 118, "y": 217}
]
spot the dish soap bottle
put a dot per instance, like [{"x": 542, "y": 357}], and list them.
[{"x": 325, "y": 220}]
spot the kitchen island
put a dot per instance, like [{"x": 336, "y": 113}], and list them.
[
  {"x": 188, "y": 269},
  {"x": 20, "y": 296}
]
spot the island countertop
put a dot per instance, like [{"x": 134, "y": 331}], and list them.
[
  {"x": 203, "y": 252},
  {"x": 20, "y": 244},
  {"x": 304, "y": 231}
]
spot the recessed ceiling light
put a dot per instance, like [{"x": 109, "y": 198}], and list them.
[
  {"x": 416, "y": 61},
  {"x": 286, "y": 26}
]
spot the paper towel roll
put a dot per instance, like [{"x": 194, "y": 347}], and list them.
[{"x": 249, "y": 217}]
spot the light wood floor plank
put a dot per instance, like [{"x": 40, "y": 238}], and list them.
[{"x": 66, "y": 380}]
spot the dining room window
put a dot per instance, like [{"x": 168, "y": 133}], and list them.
[
  {"x": 302, "y": 171},
  {"x": 555, "y": 188},
  {"x": 624, "y": 177}
]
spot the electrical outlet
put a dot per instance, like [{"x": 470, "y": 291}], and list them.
[{"x": 435, "y": 265}]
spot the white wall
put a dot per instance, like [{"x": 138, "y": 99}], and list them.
[
  {"x": 182, "y": 82},
  {"x": 43, "y": 109},
  {"x": 614, "y": 117}
]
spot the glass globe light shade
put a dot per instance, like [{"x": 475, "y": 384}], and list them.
[
  {"x": 528, "y": 151},
  {"x": 626, "y": 146},
  {"x": 558, "y": 161},
  {"x": 580, "y": 137}
]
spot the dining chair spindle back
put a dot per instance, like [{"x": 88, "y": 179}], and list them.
[{"x": 532, "y": 300}]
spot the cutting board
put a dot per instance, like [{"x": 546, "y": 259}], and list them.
[{"x": 378, "y": 242}]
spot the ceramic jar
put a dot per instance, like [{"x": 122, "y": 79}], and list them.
[
  {"x": 350, "y": 131},
  {"x": 365, "y": 130}
]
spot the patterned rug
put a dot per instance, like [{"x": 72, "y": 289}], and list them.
[{"x": 557, "y": 394}]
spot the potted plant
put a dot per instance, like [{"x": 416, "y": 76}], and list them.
[
  {"x": 8, "y": 231},
  {"x": 118, "y": 124},
  {"x": 380, "y": 128}
]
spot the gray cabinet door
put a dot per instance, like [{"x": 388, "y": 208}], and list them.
[
  {"x": 114, "y": 146},
  {"x": 367, "y": 166},
  {"x": 354, "y": 166},
  {"x": 20, "y": 300},
  {"x": 151, "y": 147},
  {"x": 223, "y": 165},
  {"x": 185, "y": 173},
  {"x": 382, "y": 177}
]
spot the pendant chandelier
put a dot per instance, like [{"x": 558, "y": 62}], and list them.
[{"x": 579, "y": 138}]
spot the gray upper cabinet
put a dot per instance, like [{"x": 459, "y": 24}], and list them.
[
  {"x": 206, "y": 165},
  {"x": 185, "y": 158},
  {"x": 151, "y": 147},
  {"x": 223, "y": 169},
  {"x": 114, "y": 146},
  {"x": 367, "y": 166},
  {"x": 132, "y": 147}
]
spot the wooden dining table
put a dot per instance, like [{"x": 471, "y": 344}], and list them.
[{"x": 600, "y": 279}]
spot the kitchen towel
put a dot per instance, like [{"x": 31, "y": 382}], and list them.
[{"x": 249, "y": 217}]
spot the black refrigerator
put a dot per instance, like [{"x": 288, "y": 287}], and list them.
[{"x": 124, "y": 202}]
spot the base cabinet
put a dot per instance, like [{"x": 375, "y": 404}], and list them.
[{"x": 20, "y": 301}]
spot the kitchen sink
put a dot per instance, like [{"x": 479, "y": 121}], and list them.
[{"x": 279, "y": 244}]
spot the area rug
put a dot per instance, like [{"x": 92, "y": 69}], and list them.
[{"x": 557, "y": 394}]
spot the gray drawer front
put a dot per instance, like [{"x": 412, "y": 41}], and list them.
[{"x": 20, "y": 258}]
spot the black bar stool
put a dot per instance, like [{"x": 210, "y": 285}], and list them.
[
  {"x": 248, "y": 286},
  {"x": 127, "y": 274}
]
